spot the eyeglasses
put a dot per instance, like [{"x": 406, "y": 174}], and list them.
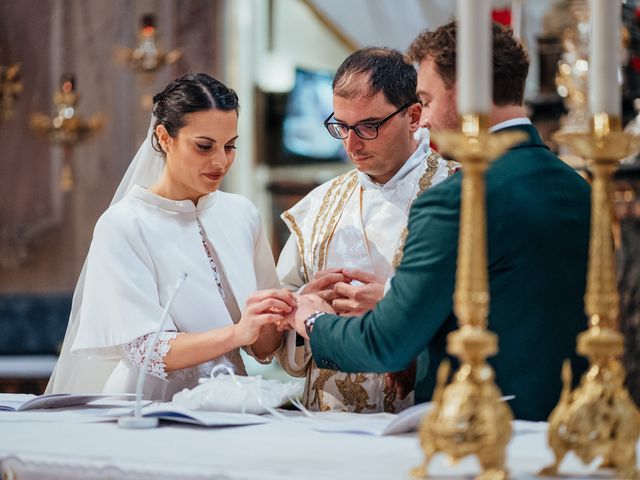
[{"x": 366, "y": 131}]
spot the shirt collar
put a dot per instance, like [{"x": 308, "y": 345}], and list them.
[
  {"x": 413, "y": 162},
  {"x": 181, "y": 206},
  {"x": 510, "y": 123}
]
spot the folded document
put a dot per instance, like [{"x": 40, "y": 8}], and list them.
[{"x": 22, "y": 402}]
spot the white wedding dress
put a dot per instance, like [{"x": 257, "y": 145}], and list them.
[{"x": 141, "y": 245}]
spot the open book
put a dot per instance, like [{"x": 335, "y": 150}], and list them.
[
  {"x": 373, "y": 423},
  {"x": 168, "y": 411},
  {"x": 22, "y": 402},
  {"x": 378, "y": 424}
]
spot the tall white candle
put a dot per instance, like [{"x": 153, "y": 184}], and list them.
[
  {"x": 517, "y": 9},
  {"x": 604, "y": 88},
  {"x": 474, "y": 62}
]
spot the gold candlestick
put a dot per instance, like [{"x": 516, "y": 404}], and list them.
[
  {"x": 468, "y": 417},
  {"x": 599, "y": 417}
]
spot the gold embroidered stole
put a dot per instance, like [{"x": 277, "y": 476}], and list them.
[
  {"x": 313, "y": 249},
  {"x": 433, "y": 162}
]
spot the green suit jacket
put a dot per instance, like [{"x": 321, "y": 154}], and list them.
[{"x": 538, "y": 213}]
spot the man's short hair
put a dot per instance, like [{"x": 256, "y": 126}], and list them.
[
  {"x": 510, "y": 60},
  {"x": 386, "y": 70}
]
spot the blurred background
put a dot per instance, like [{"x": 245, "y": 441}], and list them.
[{"x": 76, "y": 82}]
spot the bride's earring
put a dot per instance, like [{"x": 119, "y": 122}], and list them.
[
  {"x": 163, "y": 138},
  {"x": 164, "y": 143}
]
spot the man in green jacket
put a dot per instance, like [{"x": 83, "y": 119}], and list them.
[{"x": 538, "y": 212}]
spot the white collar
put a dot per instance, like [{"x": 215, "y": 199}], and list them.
[
  {"x": 183, "y": 206},
  {"x": 512, "y": 122},
  {"x": 414, "y": 161}
]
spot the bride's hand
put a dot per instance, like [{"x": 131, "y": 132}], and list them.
[{"x": 263, "y": 307}]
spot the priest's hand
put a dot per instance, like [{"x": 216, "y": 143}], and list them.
[
  {"x": 323, "y": 282},
  {"x": 263, "y": 308},
  {"x": 307, "y": 306},
  {"x": 359, "y": 296},
  {"x": 402, "y": 382}
]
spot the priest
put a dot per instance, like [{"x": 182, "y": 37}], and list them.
[{"x": 347, "y": 235}]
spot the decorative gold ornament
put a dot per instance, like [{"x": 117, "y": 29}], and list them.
[
  {"x": 148, "y": 57},
  {"x": 10, "y": 88},
  {"x": 599, "y": 417},
  {"x": 67, "y": 128},
  {"x": 468, "y": 417},
  {"x": 573, "y": 66}
]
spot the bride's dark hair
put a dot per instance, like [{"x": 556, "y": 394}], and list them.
[{"x": 193, "y": 92}]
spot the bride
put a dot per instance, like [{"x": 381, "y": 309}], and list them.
[{"x": 168, "y": 217}]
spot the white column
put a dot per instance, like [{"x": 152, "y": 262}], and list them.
[
  {"x": 517, "y": 14},
  {"x": 474, "y": 62},
  {"x": 239, "y": 74},
  {"x": 245, "y": 39},
  {"x": 56, "y": 56},
  {"x": 604, "y": 87}
]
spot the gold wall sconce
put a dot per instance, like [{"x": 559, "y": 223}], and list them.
[
  {"x": 10, "y": 89},
  {"x": 67, "y": 128},
  {"x": 148, "y": 57}
]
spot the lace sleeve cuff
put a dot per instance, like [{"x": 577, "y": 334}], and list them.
[
  {"x": 136, "y": 350},
  {"x": 264, "y": 360}
]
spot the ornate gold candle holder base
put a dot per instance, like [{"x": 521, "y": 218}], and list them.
[
  {"x": 468, "y": 417},
  {"x": 599, "y": 418}
]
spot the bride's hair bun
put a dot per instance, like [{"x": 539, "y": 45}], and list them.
[{"x": 193, "y": 92}]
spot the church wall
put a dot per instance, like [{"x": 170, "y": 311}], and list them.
[{"x": 79, "y": 36}]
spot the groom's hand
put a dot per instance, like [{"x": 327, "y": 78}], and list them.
[
  {"x": 307, "y": 306},
  {"x": 359, "y": 296}
]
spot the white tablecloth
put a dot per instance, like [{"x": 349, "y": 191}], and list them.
[{"x": 36, "y": 445}]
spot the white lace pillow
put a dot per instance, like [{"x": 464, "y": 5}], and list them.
[{"x": 232, "y": 393}]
